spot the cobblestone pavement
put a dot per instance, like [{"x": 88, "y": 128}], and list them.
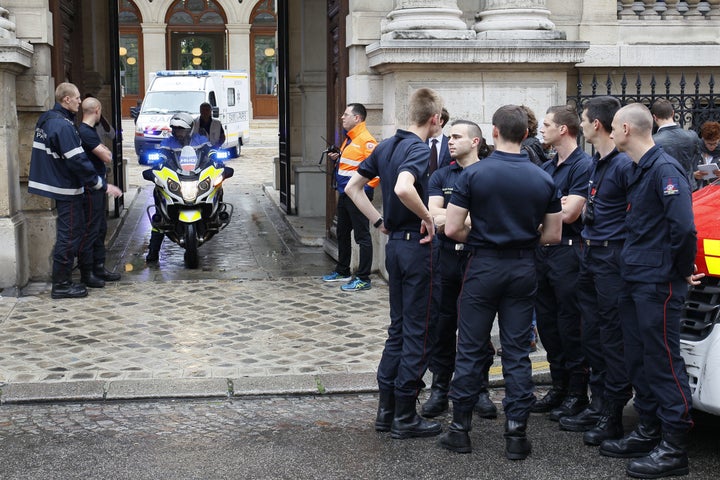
[{"x": 255, "y": 318}]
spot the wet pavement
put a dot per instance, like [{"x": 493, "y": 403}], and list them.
[{"x": 253, "y": 318}]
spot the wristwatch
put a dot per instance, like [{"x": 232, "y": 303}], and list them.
[{"x": 378, "y": 222}]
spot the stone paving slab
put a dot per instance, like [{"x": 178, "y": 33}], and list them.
[{"x": 168, "y": 388}]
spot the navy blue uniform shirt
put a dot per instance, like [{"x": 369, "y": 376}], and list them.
[
  {"x": 90, "y": 140},
  {"x": 608, "y": 182},
  {"x": 571, "y": 178},
  {"x": 442, "y": 183},
  {"x": 505, "y": 212},
  {"x": 661, "y": 239},
  {"x": 403, "y": 152}
]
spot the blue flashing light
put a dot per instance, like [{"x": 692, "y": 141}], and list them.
[
  {"x": 179, "y": 73},
  {"x": 222, "y": 155},
  {"x": 151, "y": 158}
]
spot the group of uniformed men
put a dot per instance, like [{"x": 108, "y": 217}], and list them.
[{"x": 600, "y": 249}]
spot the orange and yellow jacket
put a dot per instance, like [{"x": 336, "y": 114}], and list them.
[{"x": 358, "y": 145}]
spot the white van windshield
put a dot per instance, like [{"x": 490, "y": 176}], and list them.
[{"x": 173, "y": 102}]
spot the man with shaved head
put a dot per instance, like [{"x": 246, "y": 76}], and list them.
[{"x": 656, "y": 263}]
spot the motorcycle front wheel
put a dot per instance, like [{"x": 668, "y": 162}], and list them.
[{"x": 191, "y": 246}]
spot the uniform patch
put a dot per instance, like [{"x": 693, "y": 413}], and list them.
[{"x": 671, "y": 186}]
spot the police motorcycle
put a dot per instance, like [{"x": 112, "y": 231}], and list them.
[{"x": 188, "y": 194}]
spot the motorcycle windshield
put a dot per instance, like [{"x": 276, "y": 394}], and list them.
[{"x": 188, "y": 158}]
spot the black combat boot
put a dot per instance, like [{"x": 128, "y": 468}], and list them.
[
  {"x": 101, "y": 272},
  {"x": 88, "y": 277},
  {"x": 438, "y": 401},
  {"x": 608, "y": 427},
  {"x": 517, "y": 445},
  {"x": 584, "y": 420},
  {"x": 571, "y": 405},
  {"x": 457, "y": 438},
  {"x": 67, "y": 289},
  {"x": 408, "y": 424},
  {"x": 485, "y": 408},
  {"x": 668, "y": 459},
  {"x": 637, "y": 443},
  {"x": 386, "y": 411},
  {"x": 553, "y": 398}
]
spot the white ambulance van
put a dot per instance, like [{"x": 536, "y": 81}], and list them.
[{"x": 173, "y": 91}]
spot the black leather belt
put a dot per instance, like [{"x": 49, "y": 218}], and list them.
[
  {"x": 604, "y": 243},
  {"x": 503, "y": 253},
  {"x": 455, "y": 247},
  {"x": 401, "y": 235},
  {"x": 565, "y": 242}
]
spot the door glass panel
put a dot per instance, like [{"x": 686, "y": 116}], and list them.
[
  {"x": 129, "y": 64},
  {"x": 265, "y": 64}
]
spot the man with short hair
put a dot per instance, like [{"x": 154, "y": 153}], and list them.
[
  {"x": 59, "y": 169},
  {"x": 438, "y": 143},
  {"x": 679, "y": 143},
  {"x": 465, "y": 140},
  {"x": 92, "y": 252},
  {"x": 357, "y": 146},
  {"x": 657, "y": 264},
  {"x": 507, "y": 218},
  {"x": 401, "y": 161},
  {"x": 558, "y": 266},
  {"x": 600, "y": 284}
]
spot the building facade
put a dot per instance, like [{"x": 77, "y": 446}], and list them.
[{"x": 479, "y": 54}]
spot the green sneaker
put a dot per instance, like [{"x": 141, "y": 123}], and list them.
[{"x": 355, "y": 286}]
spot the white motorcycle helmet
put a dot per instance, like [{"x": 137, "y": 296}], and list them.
[{"x": 181, "y": 125}]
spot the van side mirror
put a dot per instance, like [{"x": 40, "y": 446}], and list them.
[{"x": 215, "y": 112}]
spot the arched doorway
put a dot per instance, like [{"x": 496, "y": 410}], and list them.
[
  {"x": 196, "y": 35},
  {"x": 132, "y": 75},
  {"x": 263, "y": 61}
]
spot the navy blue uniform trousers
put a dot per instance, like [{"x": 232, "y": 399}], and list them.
[
  {"x": 404, "y": 359},
  {"x": 599, "y": 289},
  {"x": 451, "y": 270},
  {"x": 92, "y": 249},
  {"x": 650, "y": 316},
  {"x": 70, "y": 230},
  {"x": 503, "y": 283},
  {"x": 558, "y": 315}
]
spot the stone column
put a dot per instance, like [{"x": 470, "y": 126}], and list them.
[
  {"x": 516, "y": 19},
  {"x": 415, "y": 19},
  {"x": 153, "y": 48},
  {"x": 15, "y": 58}
]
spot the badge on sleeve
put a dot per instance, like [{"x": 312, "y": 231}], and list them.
[{"x": 671, "y": 186}]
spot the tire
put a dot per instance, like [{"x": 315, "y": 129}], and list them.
[{"x": 191, "y": 246}]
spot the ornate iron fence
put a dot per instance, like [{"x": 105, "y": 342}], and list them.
[{"x": 694, "y": 104}]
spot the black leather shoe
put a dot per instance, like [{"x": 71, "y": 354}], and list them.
[
  {"x": 68, "y": 290},
  {"x": 572, "y": 405},
  {"x": 638, "y": 443},
  {"x": 101, "y": 272},
  {"x": 485, "y": 408},
  {"x": 583, "y": 421},
  {"x": 89, "y": 279},
  {"x": 669, "y": 458},
  {"x": 517, "y": 445},
  {"x": 552, "y": 399}
]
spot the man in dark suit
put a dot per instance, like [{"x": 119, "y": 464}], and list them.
[
  {"x": 441, "y": 156},
  {"x": 679, "y": 143}
]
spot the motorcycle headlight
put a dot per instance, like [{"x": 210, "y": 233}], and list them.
[
  {"x": 174, "y": 186},
  {"x": 204, "y": 186},
  {"x": 189, "y": 191}
]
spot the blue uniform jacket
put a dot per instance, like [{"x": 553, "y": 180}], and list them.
[
  {"x": 661, "y": 241},
  {"x": 403, "y": 152},
  {"x": 59, "y": 168}
]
